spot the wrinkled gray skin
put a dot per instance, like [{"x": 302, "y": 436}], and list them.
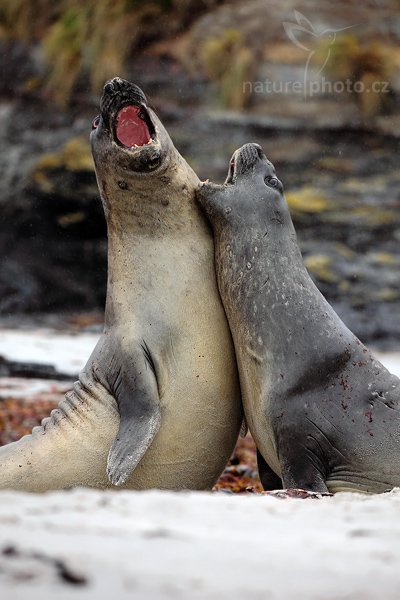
[
  {"x": 323, "y": 411},
  {"x": 157, "y": 404}
]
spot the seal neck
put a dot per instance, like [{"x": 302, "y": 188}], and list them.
[
  {"x": 153, "y": 205},
  {"x": 277, "y": 313},
  {"x": 149, "y": 233}
]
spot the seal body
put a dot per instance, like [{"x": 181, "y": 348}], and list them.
[
  {"x": 323, "y": 411},
  {"x": 158, "y": 402}
]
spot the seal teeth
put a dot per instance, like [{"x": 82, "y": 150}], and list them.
[{"x": 143, "y": 145}]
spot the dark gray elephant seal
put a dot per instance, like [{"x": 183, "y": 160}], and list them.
[
  {"x": 323, "y": 411},
  {"x": 157, "y": 404}
]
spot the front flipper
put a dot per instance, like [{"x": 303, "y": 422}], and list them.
[
  {"x": 302, "y": 463},
  {"x": 269, "y": 479},
  {"x": 301, "y": 473},
  {"x": 135, "y": 389}
]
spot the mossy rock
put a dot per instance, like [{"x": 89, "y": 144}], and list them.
[
  {"x": 66, "y": 178},
  {"x": 372, "y": 216},
  {"x": 308, "y": 200},
  {"x": 345, "y": 251},
  {"x": 335, "y": 165},
  {"x": 320, "y": 265},
  {"x": 75, "y": 155},
  {"x": 386, "y": 295},
  {"x": 386, "y": 258}
]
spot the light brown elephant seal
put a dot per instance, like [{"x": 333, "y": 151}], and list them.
[
  {"x": 324, "y": 413},
  {"x": 157, "y": 404}
]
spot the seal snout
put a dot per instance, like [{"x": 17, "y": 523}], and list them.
[
  {"x": 118, "y": 93},
  {"x": 243, "y": 160},
  {"x": 250, "y": 154},
  {"x": 122, "y": 89}
]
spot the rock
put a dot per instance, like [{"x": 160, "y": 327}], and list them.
[
  {"x": 339, "y": 169},
  {"x": 10, "y": 368},
  {"x": 52, "y": 228}
]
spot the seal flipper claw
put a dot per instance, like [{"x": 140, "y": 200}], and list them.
[{"x": 136, "y": 393}]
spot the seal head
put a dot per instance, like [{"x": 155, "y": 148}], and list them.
[
  {"x": 251, "y": 189},
  {"x": 140, "y": 144}
]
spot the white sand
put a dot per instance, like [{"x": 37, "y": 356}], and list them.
[
  {"x": 67, "y": 352},
  {"x": 199, "y": 545}
]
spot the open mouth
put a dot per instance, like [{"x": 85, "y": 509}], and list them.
[
  {"x": 232, "y": 172},
  {"x": 133, "y": 127}
]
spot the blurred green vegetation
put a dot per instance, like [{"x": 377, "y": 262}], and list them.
[
  {"x": 367, "y": 62},
  {"x": 228, "y": 61},
  {"x": 93, "y": 38}
]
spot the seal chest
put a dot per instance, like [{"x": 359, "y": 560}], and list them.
[
  {"x": 157, "y": 404},
  {"x": 324, "y": 413}
]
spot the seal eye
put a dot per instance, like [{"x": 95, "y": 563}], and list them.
[
  {"x": 96, "y": 122},
  {"x": 272, "y": 181}
]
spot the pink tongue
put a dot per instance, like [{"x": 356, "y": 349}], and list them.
[{"x": 131, "y": 129}]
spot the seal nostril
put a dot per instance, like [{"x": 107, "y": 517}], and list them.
[{"x": 109, "y": 88}]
